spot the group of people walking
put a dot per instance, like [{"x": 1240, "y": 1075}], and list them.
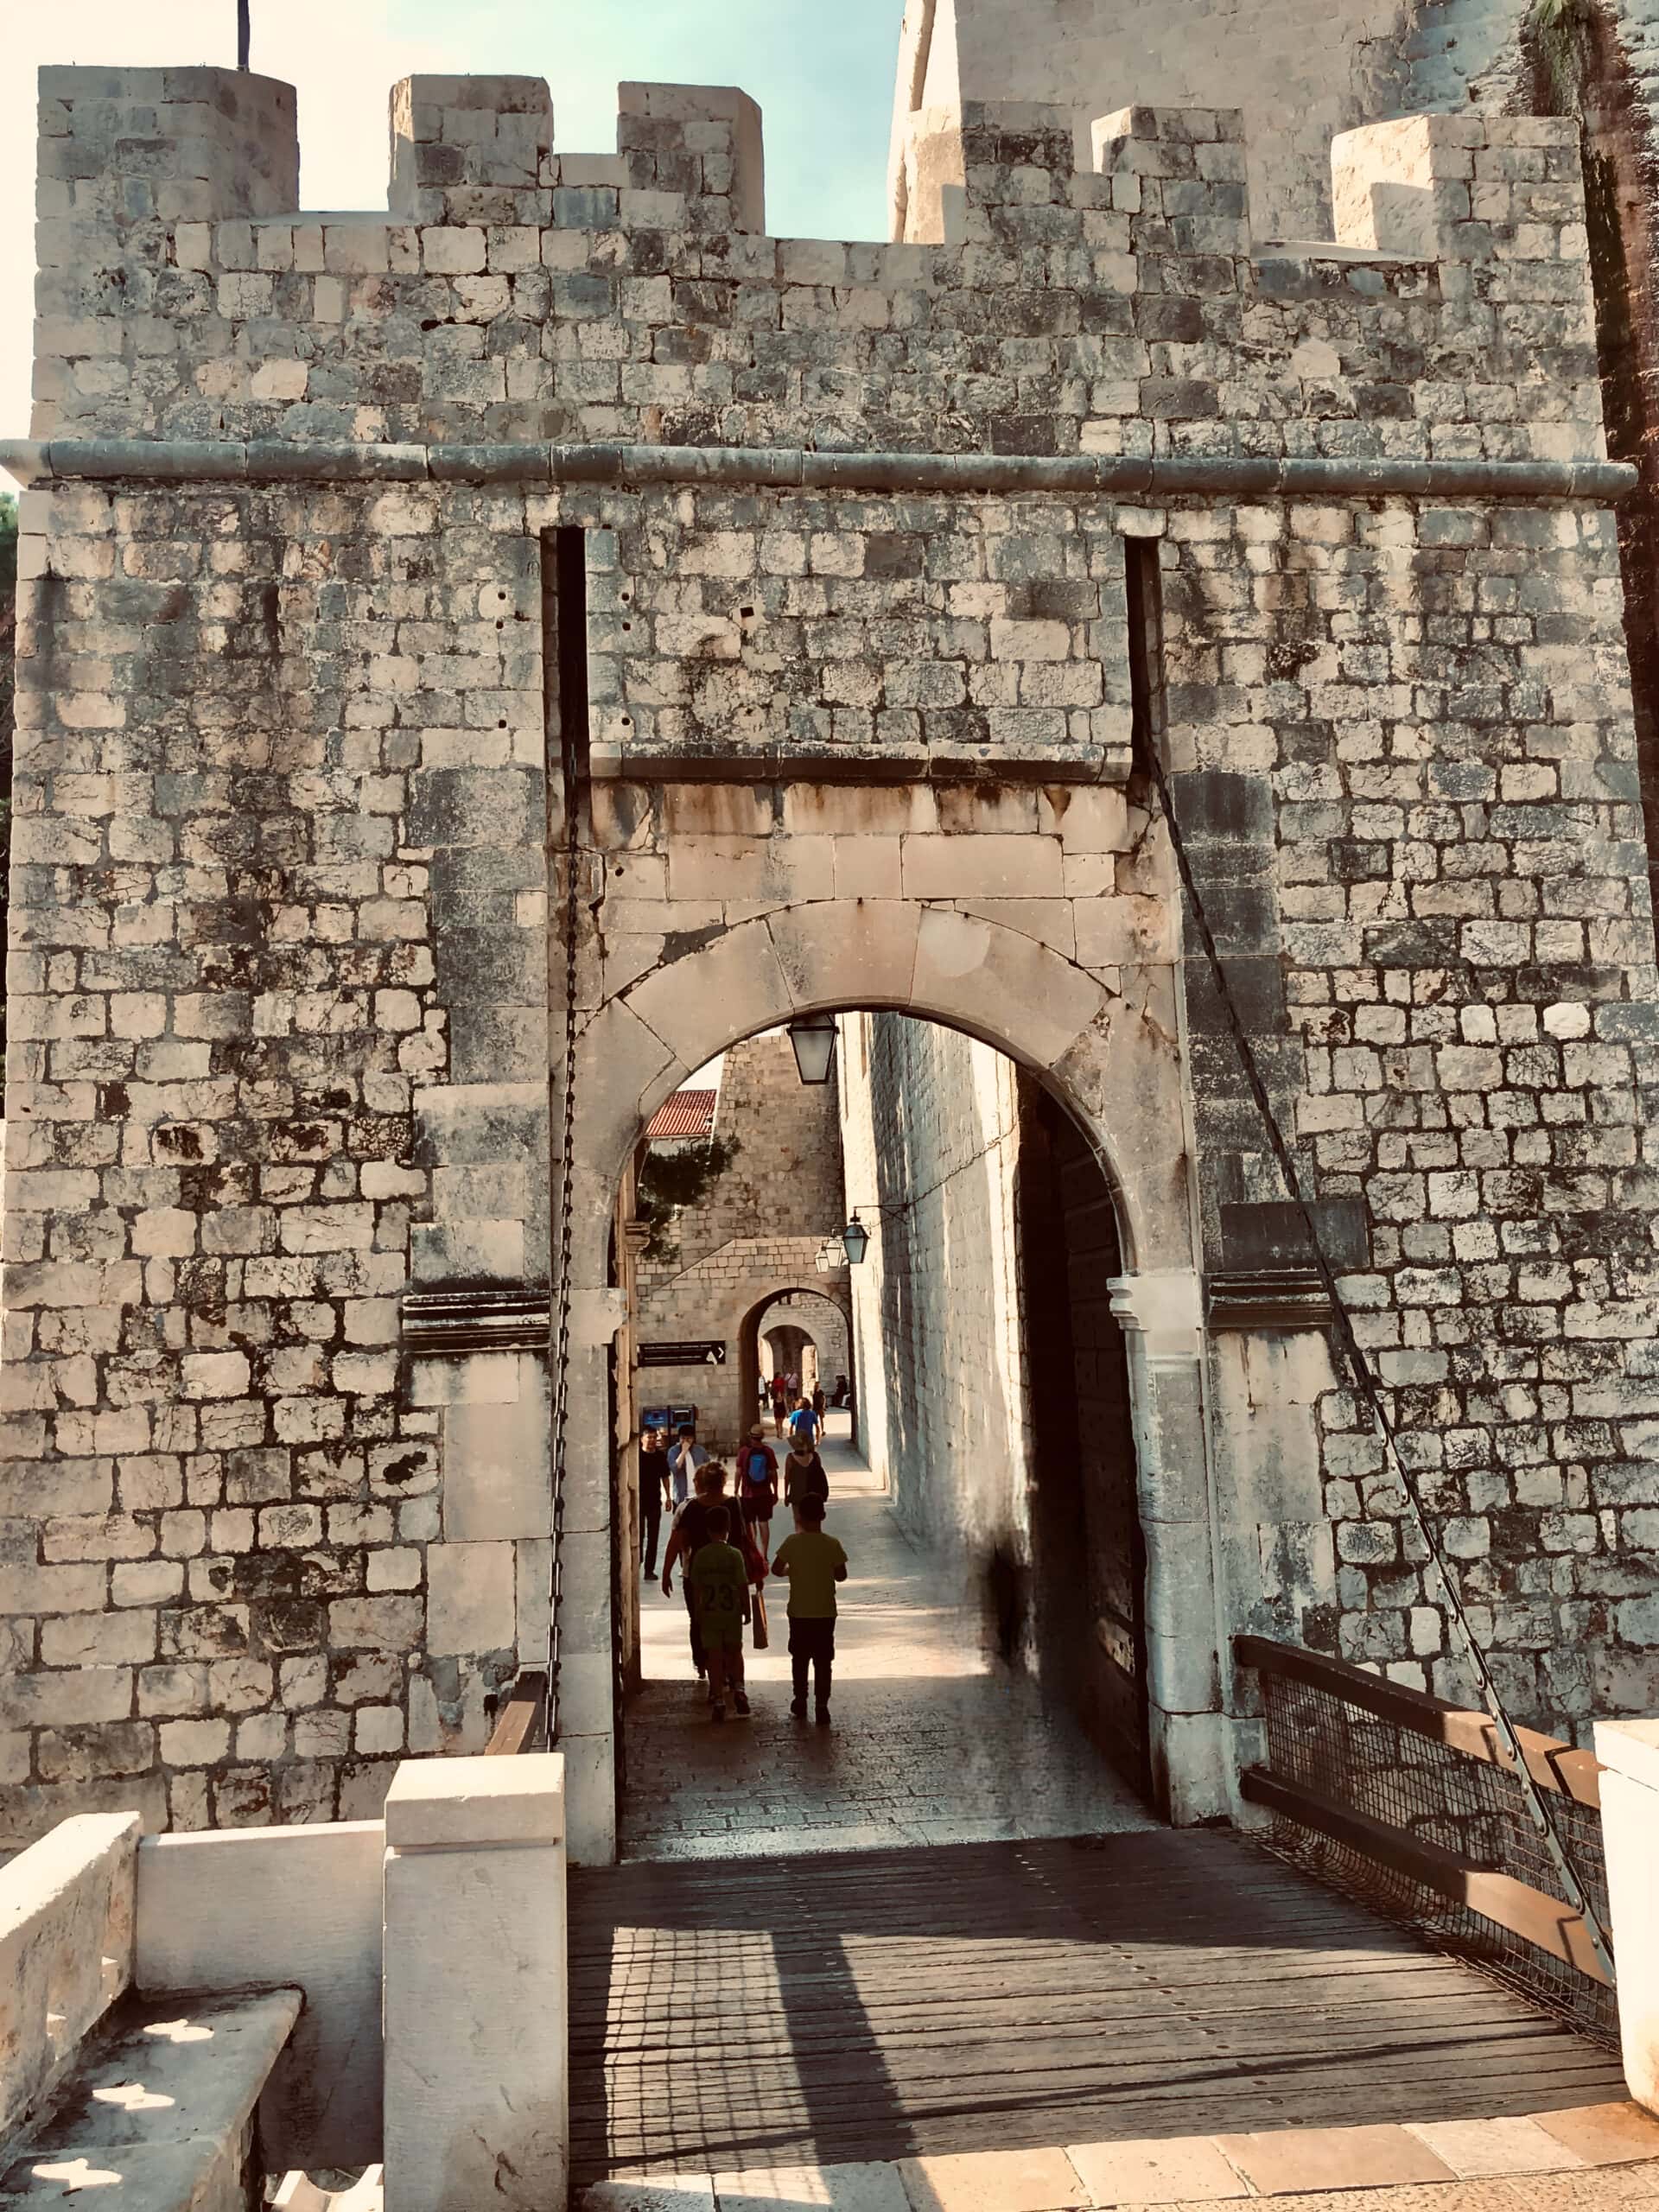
[
  {"x": 720, "y": 1543},
  {"x": 782, "y": 1393}
]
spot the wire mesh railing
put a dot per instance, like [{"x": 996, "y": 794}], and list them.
[{"x": 1415, "y": 1805}]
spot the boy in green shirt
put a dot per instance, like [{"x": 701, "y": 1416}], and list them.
[
  {"x": 719, "y": 1582},
  {"x": 812, "y": 1563}
]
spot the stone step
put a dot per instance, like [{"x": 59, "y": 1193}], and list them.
[
  {"x": 1301, "y": 2168},
  {"x": 158, "y": 2114}
]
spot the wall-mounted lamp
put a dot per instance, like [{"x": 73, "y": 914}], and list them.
[
  {"x": 856, "y": 1241},
  {"x": 813, "y": 1036}
]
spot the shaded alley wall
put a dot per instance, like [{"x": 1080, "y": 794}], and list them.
[
  {"x": 993, "y": 1380},
  {"x": 930, "y": 1129}
]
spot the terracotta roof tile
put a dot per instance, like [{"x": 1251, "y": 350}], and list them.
[{"x": 687, "y": 1114}]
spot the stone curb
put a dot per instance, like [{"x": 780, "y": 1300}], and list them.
[
  {"x": 1285, "y": 2163},
  {"x": 275, "y": 461}
]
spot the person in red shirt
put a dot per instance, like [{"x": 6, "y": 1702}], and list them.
[{"x": 757, "y": 1486}]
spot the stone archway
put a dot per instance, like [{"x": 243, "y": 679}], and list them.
[
  {"x": 1111, "y": 1062},
  {"x": 749, "y": 1332}
]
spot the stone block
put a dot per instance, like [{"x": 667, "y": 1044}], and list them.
[
  {"x": 1002, "y": 986},
  {"x": 300, "y": 1904},
  {"x": 992, "y": 2181},
  {"x": 470, "y": 1598},
  {"x": 840, "y": 954},
  {"x": 189, "y": 2136},
  {"x": 65, "y": 1949},
  {"x": 734, "y": 987},
  {"x": 496, "y": 1467},
  {"x": 981, "y": 867}
]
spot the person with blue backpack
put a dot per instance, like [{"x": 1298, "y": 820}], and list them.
[{"x": 757, "y": 1486}]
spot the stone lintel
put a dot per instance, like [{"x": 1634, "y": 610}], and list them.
[
  {"x": 440, "y": 1322},
  {"x": 1586, "y": 482},
  {"x": 859, "y": 764},
  {"x": 1269, "y": 1297}
]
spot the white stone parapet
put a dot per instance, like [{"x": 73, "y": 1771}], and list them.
[
  {"x": 66, "y": 1950},
  {"x": 1629, "y": 1752}
]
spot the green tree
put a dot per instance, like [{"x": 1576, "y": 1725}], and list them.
[{"x": 670, "y": 1181}]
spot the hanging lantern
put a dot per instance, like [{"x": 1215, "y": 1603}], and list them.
[
  {"x": 813, "y": 1036},
  {"x": 856, "y": 1241}
]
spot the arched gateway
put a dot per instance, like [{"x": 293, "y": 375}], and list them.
[{"x": 1108, "y": 1061}]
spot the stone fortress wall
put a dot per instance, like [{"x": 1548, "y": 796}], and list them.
[
  {"x": 1299, "y": 75},
  {"x": 287, "y": 947}
]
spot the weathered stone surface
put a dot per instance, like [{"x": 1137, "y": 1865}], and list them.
[
  {"x": 302, "y": 1905},
  {"x": 65, "y": 1951},
  {"x": 289, "y": 881}
]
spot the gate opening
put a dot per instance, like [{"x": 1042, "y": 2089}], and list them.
[{"x": 974, "y": 1433}]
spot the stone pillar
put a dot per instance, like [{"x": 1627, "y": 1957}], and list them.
[
  {"x": 1629, "y": 1752},
  {"x": 1160, "y": 1314},
  {"x": 477, "y": 2106}
]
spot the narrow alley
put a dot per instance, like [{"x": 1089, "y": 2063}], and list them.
[{"x": 933, "y": 1741}]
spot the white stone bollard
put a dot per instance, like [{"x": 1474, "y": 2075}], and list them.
[
  {"x": 477, "y": 2102},
  {"x": 1629, "y": 1752}
]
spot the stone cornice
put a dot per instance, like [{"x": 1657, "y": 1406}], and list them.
[
  {"x": 1269, "y": 1297},
  {"x": 185, "y": 461},
  {"x": 448, "y": 1321}
]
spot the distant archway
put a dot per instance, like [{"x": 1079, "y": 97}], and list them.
[{"x": 749, "y": 1332}]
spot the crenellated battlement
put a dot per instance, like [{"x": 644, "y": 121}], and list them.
[{"x": 1102, "y": 295}]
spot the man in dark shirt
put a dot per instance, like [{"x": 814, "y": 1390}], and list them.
[{"x": 653, "y": 1493}]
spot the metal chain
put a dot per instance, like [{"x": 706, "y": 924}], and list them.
[
  {"x": 1543, "y": 1819},
  {"x": 566, "y": 1209}
]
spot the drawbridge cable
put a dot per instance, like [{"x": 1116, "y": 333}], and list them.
[
  {"x": 1370, "y": 1390},
  {"x": 569, "y": 608}
]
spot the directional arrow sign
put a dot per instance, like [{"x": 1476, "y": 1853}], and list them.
[{"x": 703, "y": 1352}]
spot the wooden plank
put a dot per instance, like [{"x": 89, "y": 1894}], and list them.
[
  {"x": 519, "y": 1727},
  {"x": 1512, "y": 1905},
  {"x": 1552, "y": 1763},
  {"x": 745, "y": 2016},
  {"x": 958, "y": 2070}
]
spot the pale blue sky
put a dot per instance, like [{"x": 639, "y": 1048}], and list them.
[{"x": 822, "y": 71}]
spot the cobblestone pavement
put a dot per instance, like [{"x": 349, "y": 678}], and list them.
[{"x": 933, "y": 1742}]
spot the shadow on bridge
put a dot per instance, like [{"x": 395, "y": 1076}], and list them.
[{"x": 821, "y": 2009}]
